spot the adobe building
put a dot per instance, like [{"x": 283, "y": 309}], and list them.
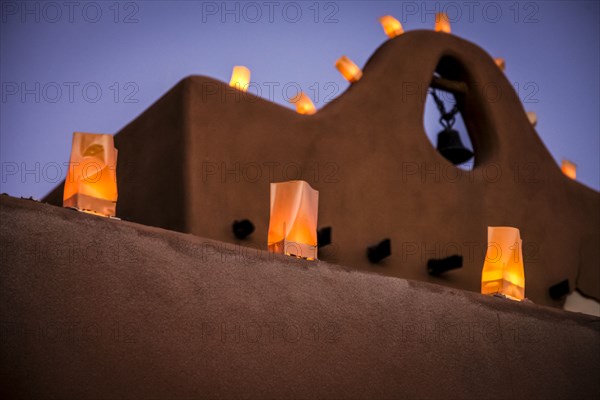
[
  {"x": 167, "y": 302},
  {"x": 204, "y": 155}
]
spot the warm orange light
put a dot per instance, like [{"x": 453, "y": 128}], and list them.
[
  {"x": 91, "y": 183},
  {"x": 348, "y": 69},
  {"x": 293, "y": 222},
  {"x": 304, "y": 104},
  {"x": 240, "y": 78},
  {"x": 532, "y": 117},
  {"x": 391, "y": 26},
  {"x": 503, "y": 270},
  {"x": 569, "y": 169},
  {"x": 500, "y": 63},
  {"x": 442, "y": 23}
]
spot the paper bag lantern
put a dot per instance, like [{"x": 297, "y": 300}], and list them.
[
  {"x": 293, "y": 222},
  {"x": 391, "y": 26},
  {"x": 500, "y": 63},
  {"x": 569, "y": 169},
  {"x": 304, "y": 104},
  {"x": 348, "y": 69},
  {"x": 503, "y": 271},
  {"x": 442, "y": 23},
  {"x": 91, "y": 183},
  {"x": 240, "y": 78},
  {"x": 532, "y": 117}
]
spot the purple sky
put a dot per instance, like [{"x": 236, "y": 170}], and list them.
[{"x": 112, "y": 60}]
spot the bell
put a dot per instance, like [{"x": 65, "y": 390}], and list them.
[{"x": 451, "y": 147}]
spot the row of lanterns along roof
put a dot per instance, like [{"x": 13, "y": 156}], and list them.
[
  {"x": 91, "y": 187},
  {"x": 448, "y": 140}
]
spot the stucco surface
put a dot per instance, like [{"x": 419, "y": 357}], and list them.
[{"x": 98, "y": 308}]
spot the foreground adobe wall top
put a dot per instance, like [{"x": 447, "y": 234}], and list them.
[
  {"x": 98, "y": 308},
  {"x": 204, "y": 154}
]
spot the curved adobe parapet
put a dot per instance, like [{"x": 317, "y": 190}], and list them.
[
  {"x": 400, "y": 73},
  {"x": 204, "y": 155}
]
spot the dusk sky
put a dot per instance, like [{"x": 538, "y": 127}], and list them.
[{"x": 95, "y": 66}]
